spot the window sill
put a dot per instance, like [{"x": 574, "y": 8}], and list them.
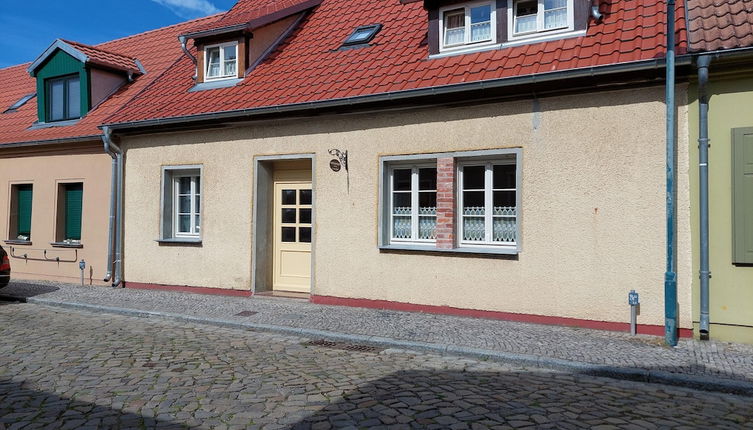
[
  {"x": 506, "y": 250},
  {"x": 38, "y": 125},
  {"x": 465, "y": 50},
  {"x": 544, "y": 36},
  {"x": 17, "y": 242},
  {"x": 66, "y": 245},
  {"x": 179, "y": 241},
  {"x": 219, "y": 83}
]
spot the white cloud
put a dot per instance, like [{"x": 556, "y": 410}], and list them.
[{"x": 189, "y": 8}]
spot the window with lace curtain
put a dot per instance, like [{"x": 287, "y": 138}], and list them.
[
  {"x": 531, "y": 17},
  {"x": 467, "y": 25},
  {"x": 413, "y": 203},
  {"x": 221, "y": 61},
  {"x": 487, "y": 202}
]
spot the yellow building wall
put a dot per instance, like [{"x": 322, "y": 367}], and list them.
[
  {"x": 731, "y": 286},
  {"x": 45, "y": 172},
  {"x": 592, "y": 217}
]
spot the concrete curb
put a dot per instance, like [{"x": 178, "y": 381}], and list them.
[{"x": 576, "y": 367}]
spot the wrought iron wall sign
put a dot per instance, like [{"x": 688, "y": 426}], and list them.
[{"x": 341, "y": 161}]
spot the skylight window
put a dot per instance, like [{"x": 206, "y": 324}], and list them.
[
  {"x": 15, "y": 106},
  {"x": 362, "y": 35}
]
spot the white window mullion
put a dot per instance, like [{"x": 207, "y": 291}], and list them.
[
  {"x": 392, "y": 204},
  {"x": 488, "y": 202},
  {"x": 194, "y": 191},
  {"x": 414, "y": 203},
  {"x": 176, "y": 205},
  {"x": 467, "y": 21},
  {"x": 540, "y": 16}
]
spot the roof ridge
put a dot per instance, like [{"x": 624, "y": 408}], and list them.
[
  {"x": 24, "y": 65},
  {"x": 158, "y": 29},
  {"x": 73, "y": 42}
]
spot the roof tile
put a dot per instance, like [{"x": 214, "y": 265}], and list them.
[{"x": 715, "y": 24}]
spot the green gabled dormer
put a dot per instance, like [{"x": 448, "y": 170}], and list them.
[{"x": 73, "y": 78}]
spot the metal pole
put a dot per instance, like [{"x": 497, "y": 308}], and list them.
[
  {"x": 82, "y": 266},
  {"x": 633, "y": 301},
  {"x": 703, "y": 195},
  {"x": 633, "y": 319},
  {"x": 670, "y": 277}
]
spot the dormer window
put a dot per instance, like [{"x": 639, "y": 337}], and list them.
[
  {"x": 73, "y": 78},
  {"x": 532, "y": 17},
  {"x": 221, "y": 61},
  {"x": 467, "y": 25},
  {"x": 63, "y": 98}
]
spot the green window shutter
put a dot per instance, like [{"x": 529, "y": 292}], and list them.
[
  {"x": 74, "y": 194},
  {"x": 742, "y": 195},
  {"x": 24, "y": 199}
]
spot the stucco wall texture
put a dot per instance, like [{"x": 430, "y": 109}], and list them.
[
  {"x": 593, "y": 206},
  {"x": 730, "y": 292},
  {"x": 46, "y": 172}
]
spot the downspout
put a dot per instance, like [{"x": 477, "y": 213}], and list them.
[
  {"x": 113, "y": 191},
  {"x": 116, "y": 207},
  {"x": 703, "y": 174},
  {"x": 182, "y": 40},
  {"x": 670, "y": 276}
]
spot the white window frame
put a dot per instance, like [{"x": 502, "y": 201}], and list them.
[
  {"x": 488, "y": 164},
  {"x": 221, "y": 46},
  {"x": 169, "y": 207},
  {"x": 467, "y": 44},
  {"x": 414, "y": 192},
  {"x": 540, "y": 31},
  {"x": 194, "y": 192}
]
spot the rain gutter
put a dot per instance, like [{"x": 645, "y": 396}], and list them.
[
  {"x": 50, "y": 141},
  {"x": 635, "y": 66},
  {"x": 655, "y": 64}
]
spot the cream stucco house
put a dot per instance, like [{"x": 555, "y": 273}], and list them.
[{"x": 490, "y": 158}]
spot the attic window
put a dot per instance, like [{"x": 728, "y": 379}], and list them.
[
  {"x": 468, "y": 24},
  {"x": 63, "y": 98},
  {"x": 363, "y": 34},
  {"x": 221, "y": 61},
  {"x": 531, "y": 17},
  {"x": 15, "y": 106}
]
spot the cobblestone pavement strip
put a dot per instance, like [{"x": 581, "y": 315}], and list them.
[
  {"x": 62, "y": 368},
  {"x": 718, "y": 360}
]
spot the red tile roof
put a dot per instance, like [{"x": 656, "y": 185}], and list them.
[
  {"x": 308, "y": 67},
  {"x": 256, "y": 13},
  {"x": 157, "y": 50},
  {"x": 720, "y": 24},
  {"x": 106, "y": 58}
]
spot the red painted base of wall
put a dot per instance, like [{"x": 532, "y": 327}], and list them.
[
  {"x": 187, "y": 289},
  {"x": 507, "y": 316}
]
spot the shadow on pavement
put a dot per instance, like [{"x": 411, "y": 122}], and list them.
[
  {"x": 22, "y": 290},
  {"x": 531, "y": 399},
  {"x": 22, "y": 404}
]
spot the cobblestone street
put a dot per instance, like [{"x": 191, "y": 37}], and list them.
[{"x": 71, "y": 369}]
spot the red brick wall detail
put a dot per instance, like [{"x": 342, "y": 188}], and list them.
[{"x": 446, "y": 203}]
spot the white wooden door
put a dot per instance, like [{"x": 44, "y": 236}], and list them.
[{"x": 292, "y": 236}]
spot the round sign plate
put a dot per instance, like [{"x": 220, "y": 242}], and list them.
[{"x": 335, "y": 165}]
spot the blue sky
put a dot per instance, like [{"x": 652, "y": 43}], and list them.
[{"x": 27, "y": 27}]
